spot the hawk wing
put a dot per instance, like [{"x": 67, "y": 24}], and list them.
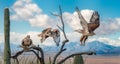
[
  {"x": 95, "y": 18},
  {"x": 46, "y": 30},
  {"x": 94, "y": 21},
  {"x": 83, "y": 22},
  {"x": 56, "y": 37},
  {"x": 45, "y": 34}
]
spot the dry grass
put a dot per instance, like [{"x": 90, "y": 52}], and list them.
[{"x": 32, "y": 59}]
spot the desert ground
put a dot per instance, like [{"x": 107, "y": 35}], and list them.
[
  {"x": 87, "y": 60},
  {"x": 103, "y": 60},
  {"x": 98, "y": 60}
]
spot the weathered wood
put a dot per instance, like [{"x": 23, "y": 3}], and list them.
[
  {"x": 31, "y": 49},
  {"x": 82, "y": 53},
  {"x": 66, "y": 39}
]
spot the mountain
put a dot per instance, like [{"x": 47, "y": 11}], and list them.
[
  {"x": 96, "y": 46},
  {"x": 102, "y": 48},
  {"x": 72, "y": 47},
  {"x": 14, "y": 48}
]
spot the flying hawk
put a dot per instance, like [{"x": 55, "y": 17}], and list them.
[
  {"x": 88, "y": 28},
  {"x": 48, "y": 32},
  {"x": 26, "y": 42},
  {"x": 56, "y": 36},
  {"x": 45, "y": 34}
]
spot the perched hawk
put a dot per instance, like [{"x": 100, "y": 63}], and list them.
[
  {"x": 26, "y": 42},
  {"x": 88, "y": 28},
  {"x": 48, "y": 32}
]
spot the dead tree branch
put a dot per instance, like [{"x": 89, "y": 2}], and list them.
[
  {"x": 63, "y": 30},
  {"x": 41, "y": 59},
  {"x": 66, "y": 40},
  {"x": 42, "y": 53},
  {"x": 82, "y": 53}
]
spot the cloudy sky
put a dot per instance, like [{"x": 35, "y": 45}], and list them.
[{"x": 32, "y": 16}]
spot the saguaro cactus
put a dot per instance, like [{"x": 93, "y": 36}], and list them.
[
  {"x": 78, "y": 60},
  {"x": 7, "y": 37}
]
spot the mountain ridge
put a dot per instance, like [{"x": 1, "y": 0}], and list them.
[{"x": 96, "y": 46}]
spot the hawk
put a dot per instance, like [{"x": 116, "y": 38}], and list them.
[
  {"x": 48, "y": 32},
  {"x": 88, "y": 28},
  {"x": 45, "y": 34},
  {"x": 56, "y": 36},
  {"x": 26, "y": 42}
]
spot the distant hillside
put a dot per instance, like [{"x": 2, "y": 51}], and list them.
[{"x": 72, "y": 47}]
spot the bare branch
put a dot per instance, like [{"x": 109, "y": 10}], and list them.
[
  {"x": 41, "y": 59},
  {"x": 42, "y": 53},
  {"x": 63, "y": 44},
  {"x": 63, "y": 25},
  {"x": 66, "y": 39},
  {"x": 82, "y": 53},
  {"x": 59, "y": 27},
  {"x": 54, "y": 14},
  {"x": 17, "y": 54},
  {"x": 80, "y": 15},
  {"x": 54, "y": 60}
]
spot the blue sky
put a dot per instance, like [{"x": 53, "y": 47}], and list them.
[{"x": 108, "y": 10}]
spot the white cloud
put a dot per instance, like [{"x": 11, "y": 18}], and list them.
[
  {"x": 73, "y": 36},
  {"x": 16, "y": 38},
  {"x": 106, "y": 41},
  {"x": 87, "y": 14},
  {"x": 109, "y": 27},
  {"x": 26, "y": 10},
  {"x": 42, "y": 21},
  {"x": 29, "y": 11},
  {"x": 72, "y": 18}
]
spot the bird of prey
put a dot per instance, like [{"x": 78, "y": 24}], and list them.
[
  {"x": 26, "y": 42},
  {"x": 88, "y": 28},
  {"x": 48, "y": 32},
  {"x": 45, "y": 34},
  {"x": 56, "y": 36}
]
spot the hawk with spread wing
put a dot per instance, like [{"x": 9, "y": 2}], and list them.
[
  {"x": 45, "y": 34},
  {"x": 88, "y": 28},
  {"x": 56, "y": 36},
  {"x": 48, "y": 32}
]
